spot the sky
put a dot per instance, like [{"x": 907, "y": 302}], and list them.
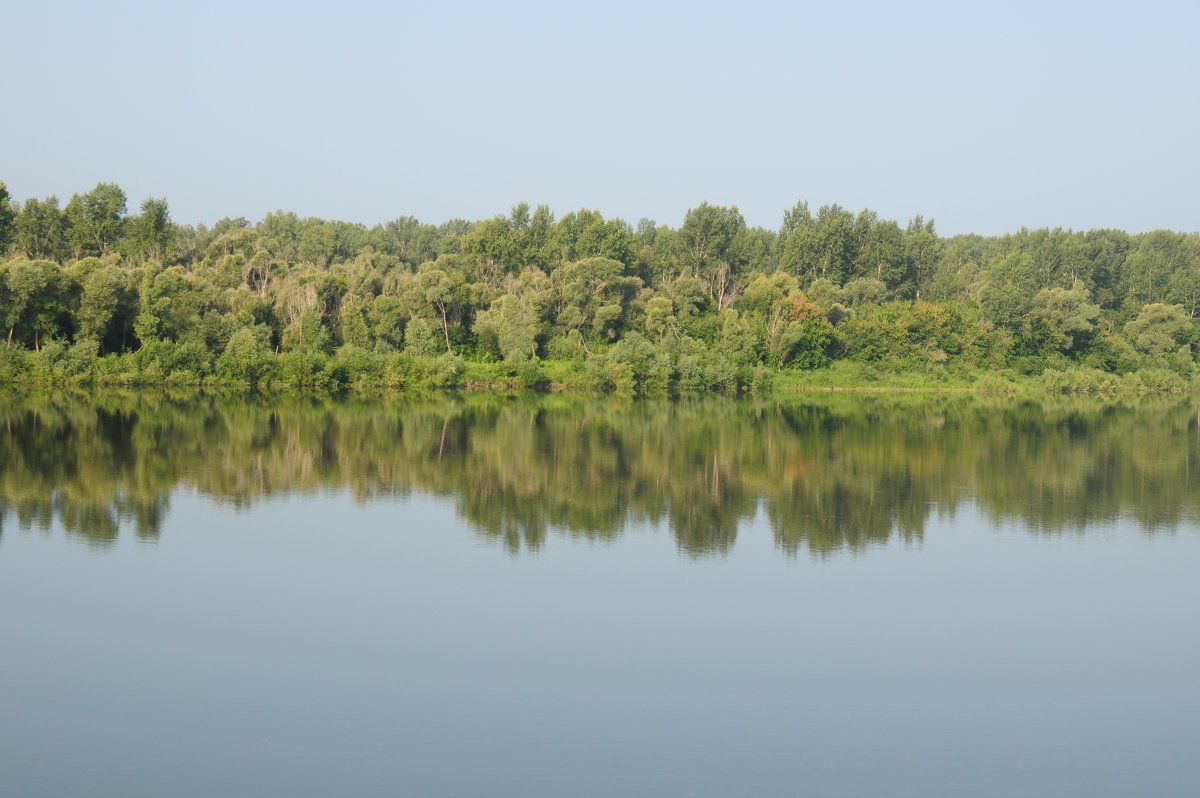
[{"x": 985, "y": 117}]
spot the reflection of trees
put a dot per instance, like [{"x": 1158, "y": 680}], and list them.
[{"x": 831, "y": 472}]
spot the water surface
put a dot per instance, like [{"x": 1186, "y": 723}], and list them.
[{"x": 826, "y": 595}]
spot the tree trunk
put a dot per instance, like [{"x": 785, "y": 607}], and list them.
[{"x": 445, "y": 328}]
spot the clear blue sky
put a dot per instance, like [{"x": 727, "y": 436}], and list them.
[{"x": 986, "y": 117}]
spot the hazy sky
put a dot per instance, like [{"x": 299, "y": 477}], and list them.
[{"x": 985, "y": 117}]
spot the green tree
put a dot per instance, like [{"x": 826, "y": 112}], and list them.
[
  {"x": 922, "y": 251},
  {"x": 592, "y": 295},
  {"x": 440, "y": 290},
  {"x": 493, "y": 244},
  {"x": 586, "y": 234},
  {"x": 247, "y": 356},
  {"x": 41, "y": 230},
  {"x": 99, "y": 301},
  {"x": 708, "y": 241},
  {"x": 387, "y": 317},
  {"x": 169, "y": 305},
  {"x": 150, "y": 232},
  {"x": 36, "y": 299},
  {"x": 791, "y": 329},
  {"x": 880, "y": 254},
  {"x": 513, "y": 326},
  {"x": 352, "y": 326},
  {"x": 8, "y": 217},
  {"x": 1161, "y": 328},
  {"x": 708, "y": 234},
  {"x": 1071, "y": 313},
  {"x": 96, "y": 219}
]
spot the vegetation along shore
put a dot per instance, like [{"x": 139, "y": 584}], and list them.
[{"x": 93, "y": 295}]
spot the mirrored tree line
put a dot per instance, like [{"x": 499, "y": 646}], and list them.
[{"x": 830, "y": 473}]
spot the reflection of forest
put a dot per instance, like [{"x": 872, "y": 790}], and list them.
[{"x": 831, "y": 471}]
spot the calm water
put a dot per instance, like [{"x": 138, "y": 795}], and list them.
[{"x": 824, "y": 596}]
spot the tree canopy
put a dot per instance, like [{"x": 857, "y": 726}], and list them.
[{"x": 91, "y": 291}]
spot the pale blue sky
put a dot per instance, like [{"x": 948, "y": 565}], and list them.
[{"x": 986, "y": 118}]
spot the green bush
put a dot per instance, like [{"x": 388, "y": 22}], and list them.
[{"x": 247, "y": 357}]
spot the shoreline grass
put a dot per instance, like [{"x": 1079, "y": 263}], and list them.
[{"x": 363, "y": 374}]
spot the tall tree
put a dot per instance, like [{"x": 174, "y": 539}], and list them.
[
  {"x": 96, "y": 219},
  {"x": 98, "y": 303},
  {"x": 923, "y": 249},
  {"x": 708, "y": 240},
  {"x": 36, "y": 299},
  {"x": 8, "y": 216},
  {"x": 151, "y": 231},
  {"x": 707, "y": 235},
  {"x": 41, "y": 230}
]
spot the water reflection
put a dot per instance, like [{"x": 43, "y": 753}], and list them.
[{"x": 830, "y": 472}]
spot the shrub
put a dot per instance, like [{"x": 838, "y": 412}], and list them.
[{"x": 247, "y": 356}]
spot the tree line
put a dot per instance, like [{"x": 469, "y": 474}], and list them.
[{"x": 90, "y": 292}]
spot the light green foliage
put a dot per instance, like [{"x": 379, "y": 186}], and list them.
[
  {"x": 247, "y": 356},
  {"x": 8, "y": 218},
  {"x": 304, "y": 303},
  {"x": 278, "y": 233},
  {"x": 102, "y": 291},
  {"x": 96, "y": 219},
  {"x": 591, "y": 295},
  {"x": 918, "y": 335},
  {"x": 823, "y": 293},
  {"x": 881, "y": 255},
  {"x": 863, "y": 291},
  {"x": 1071, "y": 313},
  {"x": 302, "y": 367},
  {"x": 514, "y": 328},
  {"x": 1151, "y": 273},
  {"x": 422, "y": 338},
  {"x": 633, "y": 364},
  {"x": 151, "y": 231},
  {"x": 713, "y": 303},
  {"x": 789, "y": 328},
  {"x": 439, "y": 290},
  {"x": 407, "y": 240},
  {"x": 79, "y": 358},
  {"x": 41, "y": 229},
  {"x": 713, "y": 242},
  {"x": 688, "y": 300},
  {"x": 660, "y": 258},
  {"x": 36, "y": 300},
  {"x": 493, "y": 245},
  {"x": 740, "y": 341},
  {"x": 169, "y": 304},
  {"x": 1161, "y": 328},
  {"x": 699, "y": 369},
  {"x": 307, "y": 333},
  {"x": 660, "y": 318},
  {"x": 317, "y": 242},
  {"x": 387, "y": 318},
  {"x": 586, "y": 234},
  {"x": 1005, "y": 304},
  {"x": 352, "y": 326},
  {"x": 957, "y": 275},
  {"x": 507, "y": 245},
  {"x": 833, "y": 244}
]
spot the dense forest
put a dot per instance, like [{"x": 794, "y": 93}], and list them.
[
  {"x": 829, "y": 471},
  {"x": 93, "y": 294}
]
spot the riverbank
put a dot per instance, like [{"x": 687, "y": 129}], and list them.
[{"x": 361, "y": 371}]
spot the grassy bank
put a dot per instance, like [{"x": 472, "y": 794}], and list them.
[{"x": 362, "y": 371}]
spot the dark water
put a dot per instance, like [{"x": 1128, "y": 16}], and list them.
[{"x": 828, "y": 595}]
